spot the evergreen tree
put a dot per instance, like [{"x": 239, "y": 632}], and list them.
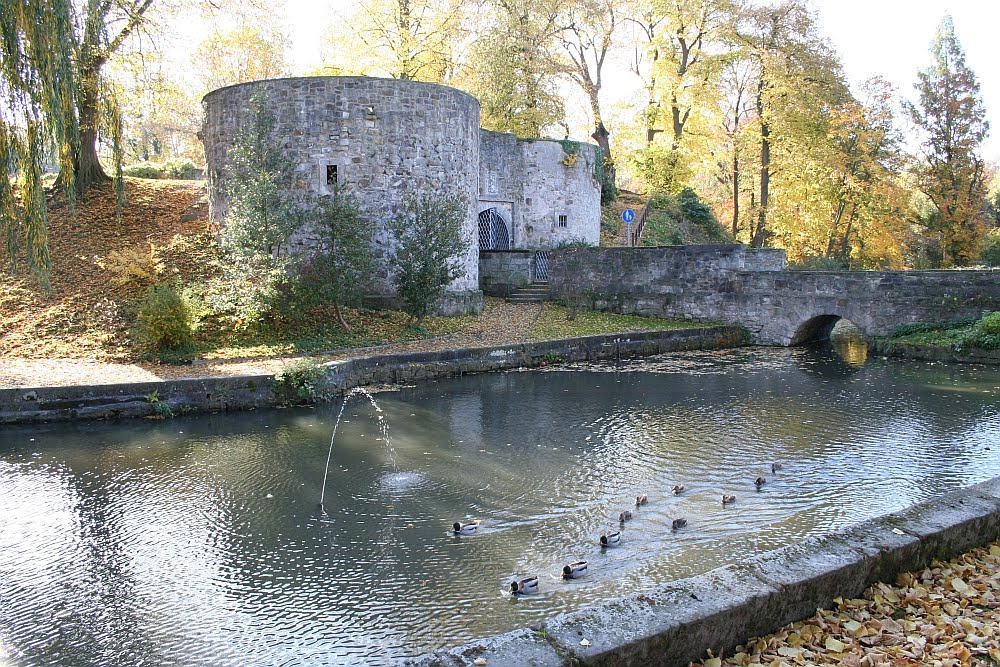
[
  {"x": 950, "y": 112},
  {"x": 261, "y": 216},
  {"x": 429, "y": 241},
  {"x": 346, "y": 261}
]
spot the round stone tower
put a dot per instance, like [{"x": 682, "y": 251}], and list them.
[{"x": 381, "y": 138}]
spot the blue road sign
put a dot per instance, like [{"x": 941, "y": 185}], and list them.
[{"x": 628, "y": 215}]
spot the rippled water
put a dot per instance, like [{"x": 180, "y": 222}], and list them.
[{"x": 198, "y": 541}]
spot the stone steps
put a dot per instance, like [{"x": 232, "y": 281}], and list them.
[{"x": 536, "y": 292}]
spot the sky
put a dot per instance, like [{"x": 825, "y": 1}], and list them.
[{"x": 890, "y": 38}]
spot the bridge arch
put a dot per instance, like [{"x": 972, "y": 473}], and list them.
[{"x": 819, "y": 327}]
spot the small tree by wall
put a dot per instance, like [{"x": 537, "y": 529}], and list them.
[
  {"x": 429, "y": 244},
  {"x": 261, "y": 216},
  {"x": 346, "y": 261}
]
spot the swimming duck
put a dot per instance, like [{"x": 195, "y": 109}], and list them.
[
  {"x": 677, "y": 489},
  {"x": 574, "y": 570},
  {"x": 678, "y": 523},
  {"x": 775, "y": 467},
  {"x": 759, "y": 482},
  {"x": 465, "y": 528},
  {"x": 611, "y": 539},
  {"x": 625, "y": 516},
  {"x": 525, "y": 586},
  {"x": 728, "y": 499},
  {"x": 641, "y": 500}
]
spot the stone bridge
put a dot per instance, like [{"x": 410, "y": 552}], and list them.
[{"x": 731, "y": 283}]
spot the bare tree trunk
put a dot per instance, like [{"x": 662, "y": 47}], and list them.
[
  {"x": 760, "y": 235},
  {"x": 86, "y": 164},
  {"x": 340, "y": 317},
  {"x": 736, "y": 192}
]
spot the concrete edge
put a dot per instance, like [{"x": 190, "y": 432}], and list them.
[
  {"x": 246, "y": 392},
  {"x": 676, "y": 623}
]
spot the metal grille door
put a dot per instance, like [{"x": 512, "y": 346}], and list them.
[
  {"x": 542, "y": 265},
  {"x": 493, "y": 233}
]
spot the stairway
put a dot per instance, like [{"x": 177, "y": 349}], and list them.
[{"x": 536, "y": 292}]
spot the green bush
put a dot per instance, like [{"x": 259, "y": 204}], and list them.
[
  {"x": 175, "y": 169},
  {"x": 304, "y": 381},
  {"x": 990, "y": 324},
  {"x": 699, "y": 213},
  {"x": 817, "y": 264},
  {"x": 989, "y": 253},
  {"x": 167, "y": 318},
  {"x": 930, "y": 327}
]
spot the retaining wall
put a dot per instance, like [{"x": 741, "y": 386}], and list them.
[
  {"x": 676, "y": 623},
  {"x": 37, "y": 404}
]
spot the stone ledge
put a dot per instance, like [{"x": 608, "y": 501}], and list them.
[
  {"x": 110, "y": 401},
  {"x": 675, "y": 624}
]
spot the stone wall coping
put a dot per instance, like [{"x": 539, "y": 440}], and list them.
[
  {"x": 677, "y": 622},
  {"x": 394, "y": 82}
]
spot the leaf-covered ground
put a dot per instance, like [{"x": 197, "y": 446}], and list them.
[
  {"x": 80, "y": 333},
  {"x": 946, "y": 615}
]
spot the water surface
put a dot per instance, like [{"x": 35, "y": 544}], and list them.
[{"x": 197, "y": 541}]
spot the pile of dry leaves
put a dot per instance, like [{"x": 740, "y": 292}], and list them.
[{"x": 947, "y": 615}]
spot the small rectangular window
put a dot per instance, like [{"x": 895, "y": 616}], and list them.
[
  {"x": 563, "y": 221},
  {"x": 332, "y": 174}
]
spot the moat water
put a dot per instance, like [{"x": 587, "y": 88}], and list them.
[{"x": 197, "y": 540}]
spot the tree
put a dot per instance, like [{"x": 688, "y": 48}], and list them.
[
  {"x": 261, "y": 217},
  {"x": 403, "y": 39},
  {"x": 346, "y": 260},
  {"x": 798, "y": 78},
  {"x": 511, "y": 69},
  {"x": 246, "y": 53},
  {"x": 951, "y": 115},
  {"x": 37, "y": 117},
  {"x": 586, "y": 34},
  {"x": 429, "y": 243},
  {"x": 106, "y": 27}
]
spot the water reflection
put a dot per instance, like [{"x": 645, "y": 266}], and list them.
[
  {"x": 196, "y": 541},
  {"x": 848, "y": 341}
]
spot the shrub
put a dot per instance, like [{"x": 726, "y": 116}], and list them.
[
  {"x": 175, "y": 169},
  {"x": 989, "y": 253},
  {"x": 167, "y": 318},
  {"x": 303, "y": 381},
  {"x": 990, "y": 323},
  {"x": 699, "y": 213},
  {"x": 138, "y": 266},
  {"x": 429, "y": 243}
]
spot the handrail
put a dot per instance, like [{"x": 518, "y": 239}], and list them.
[{"x": 640, "y": 223}]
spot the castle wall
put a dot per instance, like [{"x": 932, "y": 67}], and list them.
[
  {"x": 383, "y": 137},
  {"x": 547, "y": 195}
]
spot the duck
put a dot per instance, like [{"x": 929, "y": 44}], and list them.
[
  {"x": 678, "y": 523},
  {"x": 759, "y": 482},
  {"x": 574, "y": 570},
  {"x": 469, "y": 528},
  {"x": 525, "y": 586},
  {"x": 728, "y": 499},
  {"x": 678, "y": 488},
  {"x": 775, "y": 467},
  {"x": 611, "y": 539},
  {"x": 641, "y": 500},
  {"x": 625, "y": 516}
]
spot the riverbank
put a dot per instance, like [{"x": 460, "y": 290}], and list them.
[{"x": 323, "y": 377}]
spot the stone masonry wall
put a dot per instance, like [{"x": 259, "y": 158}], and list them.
[
  {"x": 503, "y": 271},
  {"x": 732, "y": 284},
  {"x": 385, "y": 137},
  {"x": 552, "y": 189},
  {"x": 528, "y": 182}
]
